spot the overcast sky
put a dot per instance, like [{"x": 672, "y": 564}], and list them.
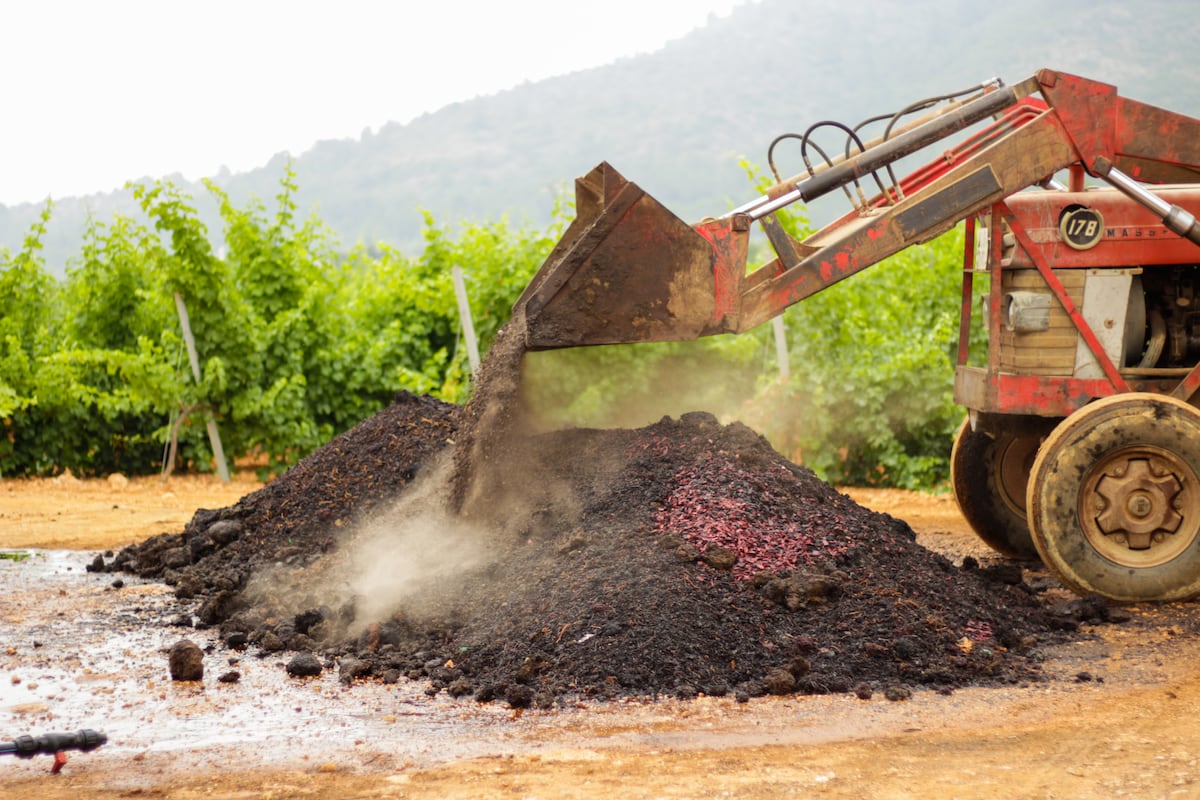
[{"x": 98, "y": 92}]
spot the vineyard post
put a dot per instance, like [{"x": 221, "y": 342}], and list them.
[
  {"x": 781, "y": 349},
  {"x": 464, "y": 312},
  {"x": 214, "y": 436}
]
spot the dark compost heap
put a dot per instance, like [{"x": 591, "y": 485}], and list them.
[{"x": 685, "y": 557}]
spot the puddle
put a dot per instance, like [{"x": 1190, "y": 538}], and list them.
[
  {"x": 78, "y": 652},
  {"x": 89, "y": 650}
]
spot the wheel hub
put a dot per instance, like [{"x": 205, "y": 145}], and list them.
[
  {"x": 1138, "y": 504},
  {"x": 1114, "y": 498}
]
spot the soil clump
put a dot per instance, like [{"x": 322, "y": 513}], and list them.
[
  {"x": 682, "y": 558},
  {"x": 186, "y": 661}
]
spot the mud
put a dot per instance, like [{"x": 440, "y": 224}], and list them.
[
  {"x": 79, "y": 653},
  {"x": 686, "y": 558},
  {"x": 88, "y": 654}
]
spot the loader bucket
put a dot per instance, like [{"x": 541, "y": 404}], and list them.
[{"x": 626, "y": 270}]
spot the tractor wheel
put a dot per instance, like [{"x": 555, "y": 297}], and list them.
[
  {"x": 1114, "y": 499},
  {"x": 989, "y": 473}
]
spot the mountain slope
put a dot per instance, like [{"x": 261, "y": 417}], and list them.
[{"x": 677, "y": 120}]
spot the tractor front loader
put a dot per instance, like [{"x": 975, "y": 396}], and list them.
[{"x": 1082, "y": 439}]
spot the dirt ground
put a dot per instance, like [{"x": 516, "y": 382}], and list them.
[
  {"x": 1116, "y": 719},
  {"x": 72, "y": 514}
]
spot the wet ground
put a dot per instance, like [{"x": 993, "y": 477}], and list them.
[
  {"x": 1115, "y": 719},
  {"x": 78, "y": 652}
]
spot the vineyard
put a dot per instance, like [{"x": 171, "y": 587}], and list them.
[{"x": 298, "y": 338}]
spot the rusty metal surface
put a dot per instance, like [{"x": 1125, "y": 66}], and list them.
[
  {"x": 1132, "y": 235},
  {"x": 627, "y": 271},
  {"x": 976, "y": 387},
  {"x": 1150, "y": 143},
  {"x": 1146, "y": 494}
]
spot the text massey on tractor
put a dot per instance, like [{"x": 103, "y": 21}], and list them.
[{"x": 1082, "y": 443}]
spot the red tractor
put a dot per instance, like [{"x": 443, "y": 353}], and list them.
[{"x": 1082, "y": 443}]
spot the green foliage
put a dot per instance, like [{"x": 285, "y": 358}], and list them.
[
  {"x": 295, "y": 340},
  {"x": 28, "y": 302},
  {"x": 113, "y": 296},
  {"x": 298, "y": 340},
  {"x": 28, "y": 318},
  {"x": 870, "y": 400},
  {"x": 91, "y": 412}
]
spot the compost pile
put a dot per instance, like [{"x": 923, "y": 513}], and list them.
[{"x": 681, "y": 558}]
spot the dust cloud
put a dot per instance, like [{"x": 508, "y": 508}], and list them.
[
  {"x": 630, "y": 386},
  {"x": 405, "y": 558},
  {"x": 422, "y": 554},
  {"x": 396, "y": 565},
  {"x": 491, "y": 423}
]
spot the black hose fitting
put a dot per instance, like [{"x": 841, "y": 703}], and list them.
[{"x": 51, "y": 743}]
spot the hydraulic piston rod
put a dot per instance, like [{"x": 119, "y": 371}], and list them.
[
  {"x": 1176, "y": 219},
  {"x": 889, "y": 151}
]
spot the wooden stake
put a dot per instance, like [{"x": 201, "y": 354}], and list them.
[
  {"x": 464, "y": 313},
  {"x": 214, "y": 436},
  {"x": 781, "y": 349}
]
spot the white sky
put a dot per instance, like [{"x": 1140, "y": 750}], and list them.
[{"x": 98, "y": 92}]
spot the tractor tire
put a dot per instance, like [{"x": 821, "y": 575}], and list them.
[
  {"x": 1114, "y": 499},
  {"x": 989, "y": 474}
]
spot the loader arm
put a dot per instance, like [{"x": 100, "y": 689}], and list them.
[{"x": 628, "y": 270}]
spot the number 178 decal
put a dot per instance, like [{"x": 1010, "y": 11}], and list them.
[{"x": 1081, "y": 227}]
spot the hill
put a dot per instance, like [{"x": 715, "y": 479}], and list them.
[{"x": 678, "y": 119}]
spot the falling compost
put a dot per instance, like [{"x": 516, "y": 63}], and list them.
[{"x": 682, "y": 558}]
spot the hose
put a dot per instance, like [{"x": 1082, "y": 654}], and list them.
[
  {"x": 51, "y": 743},
  {"x": 852, "y": 138}
]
